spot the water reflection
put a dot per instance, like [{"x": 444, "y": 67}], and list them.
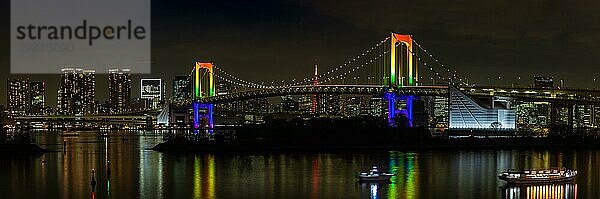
[
  {"x": 373, "y": 189},
  {"x": 550, "y": 191},
  {"x": 204, "y": 176},
  {"x": 405, "y": 166},
  {"x": 126, "y": 169}
]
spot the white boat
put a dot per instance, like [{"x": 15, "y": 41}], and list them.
[{"x": 374, "y": 175}]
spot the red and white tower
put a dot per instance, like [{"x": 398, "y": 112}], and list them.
[{"x": 313, "y": 108}]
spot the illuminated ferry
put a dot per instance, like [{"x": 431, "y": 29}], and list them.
[
  {"x": 544, "y": 176},
  {"x": 374, "y": 175}
]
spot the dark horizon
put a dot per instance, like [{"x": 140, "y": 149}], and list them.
[{"x": 276, "y": 40}]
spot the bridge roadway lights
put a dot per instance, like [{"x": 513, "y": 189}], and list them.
[{"x": 207, "y": 113}]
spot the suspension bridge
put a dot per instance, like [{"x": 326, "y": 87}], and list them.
[{"x": 397, "y": 68}]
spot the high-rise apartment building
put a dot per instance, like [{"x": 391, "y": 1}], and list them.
[
  {"x": 37, "y": 98},
  {"x": 77, "y": 92},
  {"x": 119, "y": 90},
  {"x": 18, "y": 96}
]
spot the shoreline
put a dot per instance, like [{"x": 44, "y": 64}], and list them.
[{"x": 182, "y": 146}]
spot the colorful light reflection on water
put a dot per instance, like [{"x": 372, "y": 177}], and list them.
[
  {"x": 549, "y": 191},
  {"x": 141, "y": 173}
]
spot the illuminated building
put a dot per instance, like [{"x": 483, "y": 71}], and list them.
[
  {"x": 351, "y": 107},
  {"x": 583, "y": 116},
  {"x": 181, "y": 88},
  {"x": 304, "y": 103},
  {"x": 152, "y": 91},
  {"x": 543, "y": 82},
  {"x": 77, "y": 92},
  {"x": 329, "y": 104},
  {"x": 37, "y": 97},
  {"x": 119, "y": 90},
  {"x": 533, "y": 115},
  {"x": 376, "y": 106},
  {"x": 440, "y": 112},
  {"x": 18, "y": 96},
  {"x": 467, "y": 115},
  {"x": 288, "y": 104}
]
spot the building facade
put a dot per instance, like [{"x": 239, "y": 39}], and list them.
[
  {"x": 77, "y": 92},
  {"x": 18, "y": 96},
  {"x": 37, "y": 97},
  {"x": 181, "y": 88},
  {"x": 467, "y": 115},
  {"x": 152, "y": 91},
  {"x": 119, "y": 90}
]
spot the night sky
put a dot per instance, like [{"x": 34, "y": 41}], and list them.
[{"x": 276, "y": 40}]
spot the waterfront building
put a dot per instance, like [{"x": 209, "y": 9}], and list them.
[
  {"x": 440, "y": 112},
  {"x": 583, "y": 116},
  {"x": 467, "y": 115},
  {"x": 119, "y": 90},
  {"x": 18, "y": 96},
  {"x": 532, "y": 115},
  {"x": 77, "y": 92},
  {"x": 37, "y": 98},
  {"x": 152, "y": 91},
  {"x": 182, "y": 88}
]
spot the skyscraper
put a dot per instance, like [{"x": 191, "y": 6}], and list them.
[
  {"x": 77, "y": 92},
  {"x": 181, "y": 88},
  {"x": 18, "y": 96},
  {"x": 37, "y": 97},
  {"x": 119, "y": 90}
]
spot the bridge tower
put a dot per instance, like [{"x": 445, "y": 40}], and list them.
[
  {"x": 403, "y": 68},
  {"x": 204, "y": 86},
  {"x": 403, "y": 71}
]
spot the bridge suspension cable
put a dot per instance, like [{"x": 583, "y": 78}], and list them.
[
  {"x": 426, "y": 64},
  {"x": 244, "y": 83},
  {"x": 231, "y": 81},
  {"x": 228, "y": 77},
  {"x": 452, "y": 72},
  {"x": 344, "y": 75}
]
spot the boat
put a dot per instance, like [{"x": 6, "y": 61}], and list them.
[
  {"x": 543, "y": 176},
  {"x": 374, "y": 175}
]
